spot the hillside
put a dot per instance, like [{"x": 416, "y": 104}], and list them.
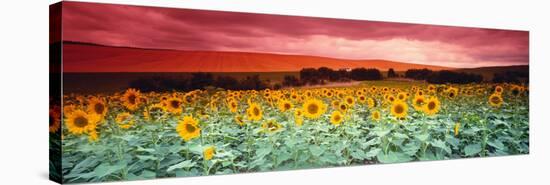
[{"x": 81, "y": 57}]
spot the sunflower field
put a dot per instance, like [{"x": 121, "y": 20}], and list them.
[{"x": 135, "y": 135}]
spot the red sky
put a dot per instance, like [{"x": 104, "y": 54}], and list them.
[{"x": 185, "y": 29}]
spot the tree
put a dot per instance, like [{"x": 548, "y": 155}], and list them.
[{"x": 391, "y": 73}]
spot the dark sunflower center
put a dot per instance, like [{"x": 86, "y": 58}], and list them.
[
  {"x": 337, "y": 117},
  {"x": 312, "y": 108},
  {"x": 452, "y": 94},
  {"x": 431, "y": 105},
  {"x": 286, "y": 106},
  {"x": 81, "y": 121},
  {"x": 99, "y": 108},
  {"x": 419, "y": 101},
  {"x": 350, "y": 100},
  {"x": 190, "y": 128},
  {"x": 376, "y": 115},
  {"x": 399, "y": 109},
  {"x": 343, "y": 107},
  {"x": 495, "y": 99},
  {"x": 132, "y": 99},
  {"x": 256, "y": 111},
  {"x": 175, "y": 104},
  {"x": 515, "y": 92}
]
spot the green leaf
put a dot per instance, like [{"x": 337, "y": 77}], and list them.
[
  {"x": 184, "y": 164},
  {"x": 423, "y": 137},
  {"x": 316, "y": 150},
  {"x": 105, "y": 169},
  {"x": 411, "y": 148},
  {"x": 393, "y": 157},
  {"x": 472, "y": 149},
  {"x": 441, "y": 144},
  {"x": 261, "y": 152},
  {"x": 373, "y": 153},
  {"x": 146, "y": 157},
  {"x": 497, "y": 144}
]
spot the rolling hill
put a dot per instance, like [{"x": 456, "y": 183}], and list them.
[{"x": 84, "y": 57}]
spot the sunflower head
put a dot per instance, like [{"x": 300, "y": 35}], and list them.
[
  {"x": 495, "y": 100},
  {"x": 399, "y": 109},
  {"x": 418, "y": 102},
  {"x": 285, "y": 105},
  {"x": 432, "y": 106},
  {"x": 173, "y": 105},
  {"x": 188, "y": 128},
  {"x": 336, "y": 118},
  {"x": 298, "y": 113},
  {"x": 239, "y": 120},
  {"x": 371, "y": 103},
  {"x": 131, "y": 99},
  {"x": 124, "y": 120},
  {"x": 233, "y": 105},
  {"x": 349, "y": 100},
  {"x": 375, "y": 115},
  {"x": 299, "y": 121},
  {"x": 55, "y": 119},
  {"x": 499, "y": 89},
  {"x": 98, "y": 107},
  {"x": 271, "y": 126},
  {"x": 208, "y": 152},
  {"x": 79, "y": 122},
  {"x": 402, "y": 96},
  {"x": 254, "y": 112},
  {"x": 313, "y": 108}
]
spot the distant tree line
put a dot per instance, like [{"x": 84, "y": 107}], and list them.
[
  {"x": 444, "y": 76},
  {"x": 322, "y": 75},
  {"x": 511, "y": 77},
  {"x": 198, "y": 81}
]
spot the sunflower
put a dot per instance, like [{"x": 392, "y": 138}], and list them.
[
  {"x": 55, "y": 119},
  {"x": 239, "y": 120},
  {"x": 314, "y": 108},
  {"x": 208, "y": 152},
  {"x": 298, "y": 113},
  {"x": 68, "y": 110},
  {"x": 173, "y": 105},
  {"x": 499, "y": 89},
  {"x": 271, "y": 126},
  {"x": 79, "y": 122},
  {"x": 124, "y": 120},
  {"x": 418, "y": 102},
  {"x": 431, "y": 89},
  {"x": 336, "y": 118},
  {"x": 516, "y": 90},
  {"x": 452, "y": 92},
  {"x": 432, "y": 106},
  {"x": 335, "y": 104},
  {"x": 362, "y": 99},
  {"x": 349, "y": 100},
  {"x": 131, "y": 99},
  {"x": 98, "y": 107},
  {"x": 390, "y": 98},
  {"x": 285, "y": 105},
  {"x": 399, "y": 109},
  {"x": 343, "y": 107},
  {"x": 154, "y": 112},
  {"x": 299, "y": 120},
  {"x": 375, "y": 115},
  {"x": 188, "y": 128},
  {"x": 371, "y": 103},
  {"x": 457, "y": 127},
  {"x": 495, "y": 100},
  {"x": 232, "y": 104},
  {"x": 402, "y": 96},
  {"x": 254, "y": 112}
]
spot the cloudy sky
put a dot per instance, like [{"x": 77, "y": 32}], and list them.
[{"x": 185, "y": 29}]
